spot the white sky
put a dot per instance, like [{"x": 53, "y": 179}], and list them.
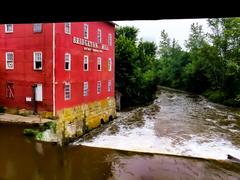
[{"x": 178, "y": 29}]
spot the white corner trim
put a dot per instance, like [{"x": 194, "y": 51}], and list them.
[{"x": 53, "y": 70}]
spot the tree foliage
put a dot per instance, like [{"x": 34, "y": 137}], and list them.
[
  {"x": 135, "y": 64},
  {"x": 211, "y": 64}
]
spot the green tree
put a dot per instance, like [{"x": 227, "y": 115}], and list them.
[
  {"x": 195, "y": 74},
  {"x": 211, "y": 64},
  {"x": 171, "y": 63},
  {"x": 129, "y": 32},
  {"x": 197, "y": 37},
  {"x": 134, "y": 68},
  {"x": 146, "y": 55},
  {"x": 225, "y": 37},
  {"x": 126, "y": 54},
  {"x": 165, "y": 45}
]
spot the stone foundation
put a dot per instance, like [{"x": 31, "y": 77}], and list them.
[{"x": 75, "y": 121}]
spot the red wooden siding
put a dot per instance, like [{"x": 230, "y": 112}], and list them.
[
  {"x": 23, "y": 42},
  {"x": 64, "y": 44}
]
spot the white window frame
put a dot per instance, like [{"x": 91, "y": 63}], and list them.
[
  {"x": 66, "y": 98},
  {"x": 67, "y": 28},
  {"x": 109, "y": 85},
  {"x": 7, "y": 60},
  {"x": 85, "y": 61},
  {"x": 67, "y": 59},
  {"x": 109, "y": 64},
  {"x": 37, "y": 27},
  {"x": 99, "y": 62},
  {"x": 99, "y": 84},
  {"x": 99, "y": 35},
  {"x": 85, "y": 88},
  {"x": 85, "y": 31},
  {"x": 110, "y": 39},
  {"x": 6, "y": 28},
  {"x": 35, "y": 60}
]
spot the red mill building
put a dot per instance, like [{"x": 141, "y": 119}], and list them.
[{"x": 59, "y": 69}]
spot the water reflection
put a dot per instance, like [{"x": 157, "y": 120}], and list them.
[{"x": 22, "y": 159}]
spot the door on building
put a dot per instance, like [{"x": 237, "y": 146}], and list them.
[
  {"x": 37, "y": 96},
  {"x": 38, "y": 92}
]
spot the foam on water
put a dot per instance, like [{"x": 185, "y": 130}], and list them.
[
  {"x": 190, "y": 137},
  {"x": 145, "y": 140}
]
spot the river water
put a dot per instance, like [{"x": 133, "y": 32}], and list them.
[
  {"x": 25, "y": 159},
  {"x": 176, "y": 123}
]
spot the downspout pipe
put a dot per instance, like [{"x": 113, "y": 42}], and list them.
[{"x": 54, "y": 69}]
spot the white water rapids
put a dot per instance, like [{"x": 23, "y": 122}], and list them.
[{"x": 184, "y": 125}]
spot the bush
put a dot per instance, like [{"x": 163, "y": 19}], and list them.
[
  {"x": 30, "y": 132},
  {"x": 216, "y": 96},
  {"x": 231, "y": 102},
  {"x": 39, "y": 135},
  {"x": 48, "y": 125},
  {"x": 2, "y": 110},
  {"x": 52, "y": 125}
]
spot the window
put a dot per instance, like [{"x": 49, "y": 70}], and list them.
[
  {"x": 67, "y": 28},
  {"x": 10, "y": 90},
  {"x": 99, "y": 35},
  {"x": 67, "y": 91},
  {"x": 99, "y": 63},
  {"x": 86, "y": 31},
  {"x": 109, "y": 64},
  {"x": 67, "y": 63},
  {"x": 37, "y": 27},
  {"x": 85, "y": 88},
  {"x": 8, "y": 28},
  {"x": 110, "y": 39},
  {"x": 9, "y": 60},
  {"x": 37, "y": 58},
  {"x": 98, "y": 87},
  {"x": 109, "y": 85},
  {"x": 85, "y": 64}
]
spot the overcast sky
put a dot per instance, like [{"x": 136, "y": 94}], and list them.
[{"x": 178, "y": 29}]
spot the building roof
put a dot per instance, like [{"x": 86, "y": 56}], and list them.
[{"x": 111, "y": 22}]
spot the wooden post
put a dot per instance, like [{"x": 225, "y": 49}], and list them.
[{"x": 118, "y": 100}]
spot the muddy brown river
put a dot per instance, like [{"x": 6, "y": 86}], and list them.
[
  {"x": 177, "y": 123},
  {"x": 25, "y": 159}
]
